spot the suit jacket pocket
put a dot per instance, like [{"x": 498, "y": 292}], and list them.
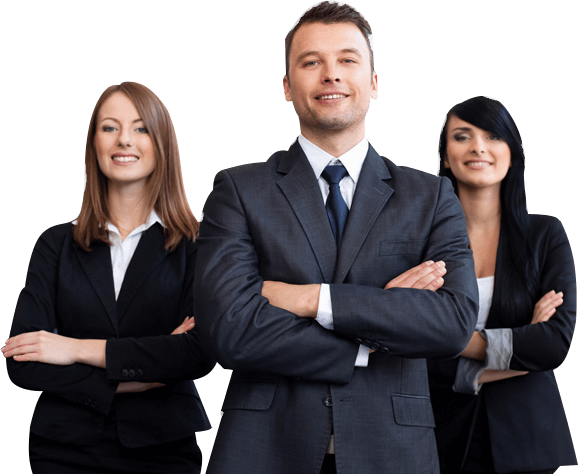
[
  {"x": 412, "y": 410},
  {"x": 401, "y": 247},
  {"x": 247, "y": 395}
]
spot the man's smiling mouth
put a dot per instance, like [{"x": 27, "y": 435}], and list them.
[{"x": 331, "y": 96}]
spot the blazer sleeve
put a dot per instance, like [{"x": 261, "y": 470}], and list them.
[
  {"x": 35, "y": 311},
  {"x": 543, "y": 346},
  {"x": 242, "y": 330},
  {"x": 414, "y": 323},
  {"x": 163, "y": 358}
]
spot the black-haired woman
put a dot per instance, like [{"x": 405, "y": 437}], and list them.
[{"x": 497, "y": 407}]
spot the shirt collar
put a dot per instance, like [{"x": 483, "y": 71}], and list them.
[
  {"x": 153, "y": 219},
  {"x": 352, "y": 159}
]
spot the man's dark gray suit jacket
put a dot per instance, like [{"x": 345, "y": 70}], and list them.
[{"x": 293, "y": 381}]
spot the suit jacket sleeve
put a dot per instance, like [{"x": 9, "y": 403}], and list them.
[
  {"x": 243, "y": 331},
  {"x": 35, "y": 311},
  {"x": 418, "y": 323},
  {"x": 163, "y": 358},
  {"x": 543, "y": 346}
]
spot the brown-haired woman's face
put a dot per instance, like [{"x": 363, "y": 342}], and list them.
[
  {"x": 124, "y": 148},
  {"x": 476, "y": 157}
]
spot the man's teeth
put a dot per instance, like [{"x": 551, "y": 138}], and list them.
[
  {"x": 125, "y": 159},
  {"x": 334, "y": 96}
]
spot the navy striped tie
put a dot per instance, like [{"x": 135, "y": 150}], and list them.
[{"x": 336, "y": 208}]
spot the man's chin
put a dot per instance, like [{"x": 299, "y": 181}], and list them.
[{"x": 330, "y": 123}]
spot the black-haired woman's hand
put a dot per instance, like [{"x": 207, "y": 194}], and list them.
[{"x": 546, "y": 306}]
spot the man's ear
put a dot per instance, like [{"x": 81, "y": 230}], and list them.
[
  {"x": 287, "y": 89},
  {"x": 374, "y": 85}
]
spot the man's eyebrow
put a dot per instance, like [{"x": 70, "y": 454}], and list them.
[
  {"x": 317, "y": 53},
  {"x": 305, "y": 54},
  {"x": 351, "y": 50}
]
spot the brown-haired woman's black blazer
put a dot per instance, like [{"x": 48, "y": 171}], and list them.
[{"x": 71, "y": 291}]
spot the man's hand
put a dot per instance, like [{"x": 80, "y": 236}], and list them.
[
  {"x": 427, "y": 276},
  {"x": 301, "y": 300}
]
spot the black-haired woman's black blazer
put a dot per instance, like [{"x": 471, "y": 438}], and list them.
[{"x": 526, "y": 423}]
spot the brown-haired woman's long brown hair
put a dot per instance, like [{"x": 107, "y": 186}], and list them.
[{"x": 166, "y": 193}]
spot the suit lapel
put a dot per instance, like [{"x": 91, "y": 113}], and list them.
[
  {"x": 98, "y": 268},
  {"x": 148, "y": 254},
  {"x": 371, "y": 194},
  {"x": 302, "y": 191}
]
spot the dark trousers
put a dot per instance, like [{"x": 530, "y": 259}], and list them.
[
  {"x": 548, "y": 471},
  {"x": 328, "y": 466},
  {"x": 48, "y": 456}
]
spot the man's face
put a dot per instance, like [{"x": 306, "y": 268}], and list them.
[{"x": 330, "y": 79}]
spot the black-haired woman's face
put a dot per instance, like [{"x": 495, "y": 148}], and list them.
[{"x": 476, "y": 157}]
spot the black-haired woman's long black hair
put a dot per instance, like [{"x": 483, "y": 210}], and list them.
[{"x": 519, "y": 274}]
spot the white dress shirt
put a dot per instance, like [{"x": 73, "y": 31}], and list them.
[
  {"x": 499, "y": 346},
  {"x": 121, "y": 252},
  {"x": 352, "y": 160}
]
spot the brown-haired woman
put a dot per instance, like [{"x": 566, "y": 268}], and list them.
[{"x": 94, "y": 327}]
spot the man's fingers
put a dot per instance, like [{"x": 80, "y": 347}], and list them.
[
  {"x": 397, "y": 281},
  {"x": 410, "y": 277},
  {"x": 435, "y": 285},
  {"x": 417, "y": 274}
]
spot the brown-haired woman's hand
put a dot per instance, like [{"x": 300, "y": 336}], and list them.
[
  {"x": 42, "y": 346},
  {"x": 546, "y": 306},
  {"x": 186, "y": 325}
]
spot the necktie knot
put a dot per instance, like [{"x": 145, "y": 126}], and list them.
[{"x": 333, "y": 174}]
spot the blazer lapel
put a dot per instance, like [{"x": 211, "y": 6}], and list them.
[
  {"x": 371, "y": 194},
  {"x": 302, "y": 191},
  {"x": 148, "y": 254},
  {"x": 98, "y": 267}
]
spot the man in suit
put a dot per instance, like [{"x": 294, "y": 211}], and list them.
[{"x": 329, "y": 370}]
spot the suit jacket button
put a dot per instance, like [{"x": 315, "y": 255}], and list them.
[
  {"x": 80, "y": 400},
  {"x": 375, "y": 346},
  {"x": 358, "y": 340},
  {"x": 327, "y": 401},
  {"x": 367, "y": 343},
  {"x": 124, "y": 373},
  {"x": 384, "y": 349},
  {"x": 131, "y": 373},
  {"x": 139, "y": 373}
]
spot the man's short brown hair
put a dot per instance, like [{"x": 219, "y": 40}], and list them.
[{"x": 329, "y": 13}]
